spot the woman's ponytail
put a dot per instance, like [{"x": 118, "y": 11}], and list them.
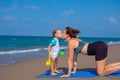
[{"x": 72, "y": 32}]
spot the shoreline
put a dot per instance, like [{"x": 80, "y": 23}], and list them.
[
  {"x": 29, "y": 56},
  {"x": 29, "y": 69}
]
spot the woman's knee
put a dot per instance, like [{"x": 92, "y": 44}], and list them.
[{"x": 100, "y": 65}]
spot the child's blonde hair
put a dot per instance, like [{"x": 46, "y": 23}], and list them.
[{"x": 54, "y": 32}]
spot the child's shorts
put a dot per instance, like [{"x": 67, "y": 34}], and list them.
[{"x": 54, "y": 55}]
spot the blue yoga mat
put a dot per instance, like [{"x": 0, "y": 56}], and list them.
[{"x": 81, "y": 74}]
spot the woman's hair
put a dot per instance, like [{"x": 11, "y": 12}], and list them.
[{"x": 72, "y": 32}]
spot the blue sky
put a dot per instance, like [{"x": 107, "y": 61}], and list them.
[{"x": 94, "y": 18}]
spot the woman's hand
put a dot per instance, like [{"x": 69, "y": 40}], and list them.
[{"x": 65, "y": 75}]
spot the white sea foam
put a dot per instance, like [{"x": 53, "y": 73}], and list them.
[
  {"x": 19, "y": 51},
  {"x": 25, "y": 50},
  {"x": 63, "y": 47},
  {"x": 45, "y": 48},
  {"x": 7, "y": 63},
  {"x": 60, "y": 48},
  {"x": 113, "y": 43}
]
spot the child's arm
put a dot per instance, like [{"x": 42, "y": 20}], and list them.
[
  {"x": 49, "y": 47},
  {"x": 53, "y": 43}
]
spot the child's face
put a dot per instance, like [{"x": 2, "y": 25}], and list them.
[{"x": 59, "y": 34}]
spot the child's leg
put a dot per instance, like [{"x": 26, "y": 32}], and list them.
[
  {"x": 53, "y": 66},
  {"x": 56, "y": 64},
  {"x": 56, "y": 60}
]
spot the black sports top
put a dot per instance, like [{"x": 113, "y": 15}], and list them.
[{"x": 80, "y": 47}]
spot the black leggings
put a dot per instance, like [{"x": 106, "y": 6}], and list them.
[{"x": 99, "y": 49}]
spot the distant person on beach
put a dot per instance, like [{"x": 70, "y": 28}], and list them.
[
  {"x": 98, "y": 49},
  {"x": 53, "y": 50}
]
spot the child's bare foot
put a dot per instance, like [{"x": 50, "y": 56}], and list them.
[
  {"x": 53, "y": 74},
  {"x": 56, "y": 71},
  {"x": 73, "y": 72}
]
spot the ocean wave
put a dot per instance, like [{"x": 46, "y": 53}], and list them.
[
  {"x": 113, "y": 43},
  {"x": 38, "y": 49},
  {"x": 25, "y": 50},
  {"x": 60, "y": 48},
  {"x": 19, "y": 51},
  {"x": 7, "y": 63},
  {"x": 63, "y": 47}
]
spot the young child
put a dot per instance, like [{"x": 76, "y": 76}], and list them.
[{"x": 53, "y": 50}]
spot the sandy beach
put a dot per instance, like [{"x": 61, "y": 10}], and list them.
[{"x": 27, "y": 70}]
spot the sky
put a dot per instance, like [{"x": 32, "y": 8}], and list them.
[{"x": 94, "y": 18}]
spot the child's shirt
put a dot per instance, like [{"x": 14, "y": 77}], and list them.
[{"x": 54, "y": 46}]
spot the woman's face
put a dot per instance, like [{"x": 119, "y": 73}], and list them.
[{"x": 65, "y": 36}]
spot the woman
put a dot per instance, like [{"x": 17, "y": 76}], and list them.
[{"x": 98, "y": 49}]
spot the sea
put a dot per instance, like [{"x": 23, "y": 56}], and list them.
[{"x": 20, "y": 48}]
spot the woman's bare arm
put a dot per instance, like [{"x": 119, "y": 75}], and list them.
[{"x": 70, "y": 55}]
